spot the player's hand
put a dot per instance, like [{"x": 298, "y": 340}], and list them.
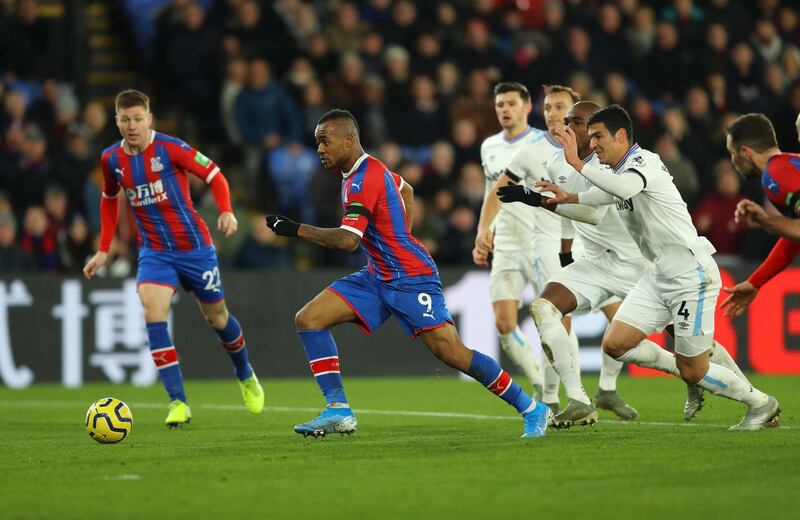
[
  {"x": 519, "y": 193},
  {"x": 555, "y": 194},
  {"x": 96, "y": 262},
  {"x": 227, "y": 223},
  {"x": 749, "y": 214},
  {"x": 740, "y": 297},
  {"x": 282, "y": 226},
  {"x": 480, "y": 256},
  {"x": 567, "y": 139},
  {"x": 485, "y": 241}
]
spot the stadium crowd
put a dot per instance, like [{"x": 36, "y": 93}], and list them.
[{"x": 246, "y": 80}]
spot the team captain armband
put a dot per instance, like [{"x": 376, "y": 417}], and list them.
[{"x": 355, "y": 210}]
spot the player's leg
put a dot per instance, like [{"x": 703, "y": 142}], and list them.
[
  {"x": 157, "y": 280},
  {"x": 199, "y": 272},
  {"x": 156, "y": 300},
  {"x": 607, "y": 397},
  {"x": 693, "y": 313},
  {"x": 507, "y": 282},
  {"x": 547, "y": 311},
  {"x": 231, "y": 337},
  {"x": 446, "y": 345},
  {"x": 353, "y": 298},
  {"x": 545, "y": 267}
]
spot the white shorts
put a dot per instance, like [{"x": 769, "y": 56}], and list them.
[
  {"x": 687, "y": 299},
  {"x": 512, "y": 270},
  {"x": 601, "y": 280}
]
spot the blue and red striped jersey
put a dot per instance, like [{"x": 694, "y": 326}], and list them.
[
  {"x": 156, "y": 184},
  {"x": 781, "y": 182},
  {"x": 374, "y": 210}
]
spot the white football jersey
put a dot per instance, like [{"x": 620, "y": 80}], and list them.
[
  {"x": 610, "y": 232},
  {"x": 657, "y": 217},
  {"x": 514, "y": 224},
  {"x": 530, "y": 165}
]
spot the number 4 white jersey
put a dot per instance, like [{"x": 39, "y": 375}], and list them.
[
  {"x": 514, "y": 224},
  {"x": 529, "y": 164},
  {"x": 610, "y": 233},
  {"x": 657, "y": 217}
]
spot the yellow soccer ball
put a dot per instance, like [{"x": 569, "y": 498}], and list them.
[{"x": 108, "y": 420}]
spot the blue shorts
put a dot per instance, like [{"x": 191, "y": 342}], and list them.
[
  {"x": 416, "y": 302},
  {"x": 197, "y": 271}
]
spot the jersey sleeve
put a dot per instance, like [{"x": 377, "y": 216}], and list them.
[
  {"x": 110, "y": 182},
  {"x": 781, "y": 183},
  {"x": 361, "y": 201},
  {"x": 518, "y": 169},
  {"x": 194, "y": 161}
]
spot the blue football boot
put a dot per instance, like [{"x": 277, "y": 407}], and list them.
[
  {"x": 331, "y": 420},
  {"x": 536, "y": 421}
]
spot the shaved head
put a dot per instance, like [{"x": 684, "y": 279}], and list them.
[
  {"x": 585, "y": 109},
  {"x": 577, "y": 118}
]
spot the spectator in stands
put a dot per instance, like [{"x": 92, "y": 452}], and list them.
[
  {"x": 73, "y": 167},
  {"x": 425, "y": 121},
  {"x": 261, "y": 32},
  {"x": 14, "y": 109},
  {"x": 56, "y": 205},
  {"x": 466, "y": 143},
  {"x": 744, "y": 75},
  {"x": 439, "y": 174},
  {"x": 31, "y": 46},
  {"x": 477, "y": 105},
  {"x": 404, "y": 26},
  {"x": 610, "y": 46},
  {"x": 39, "y": 240},
  {"x": 766, "y": 41},
  {"x": 642, "y": 32},
  {"x": 33, "y": 172},
  {"x": 682, "y": 170},
  {"x": 667, "y": 68},
  {"x": 713, "y": 216},
  {"x": 291, "y": 168},
  {"x": 235, "y": 81},
  {"x": 345, "y": 89},
  {"x": 13, "y": 258},
  {"x": 371, "y": 51},
  {"x": 75, "y": 245},
  {"x": 265, "y": 113},
  {"x": 372, "y": 116},
  {"x": 346, "y": 32},
  {"x": 101, "y": 130}
]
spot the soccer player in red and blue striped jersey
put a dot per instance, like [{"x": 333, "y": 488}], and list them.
[
  {"x": 400, "y": 280},
  {"x": 152, "y": 170},
  {"x": 754, "y": 152}
]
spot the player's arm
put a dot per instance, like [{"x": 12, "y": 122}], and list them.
[
  {"x": 752, "y": 215},
  {"x": 207, "y": 170},
  {"x": 567, "y": 238},
  {"x": 743, "y": 293},
  {"x": 344, "y": 238},
  {"x": 109, "y": 215}
]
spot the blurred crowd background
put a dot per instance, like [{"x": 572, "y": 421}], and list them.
[{"x": 246, "y": 80}]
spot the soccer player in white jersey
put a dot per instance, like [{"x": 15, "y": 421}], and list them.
[
  {"x": 524, "y": 242},
  {"x": 682, "y": 283},
  {"x": 609, "y": 268}
]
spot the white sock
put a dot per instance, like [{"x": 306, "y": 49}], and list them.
[
  {"x": 521, "y": 353},
  {"x": 562, "y": 347},
  {"x": 649, "y": 355},
  {"x": 720, "y": 356},
  {"x": 609, "y": 372},
  {"x": 551, "y": 381},
  {"x": 721, "y": 381}
]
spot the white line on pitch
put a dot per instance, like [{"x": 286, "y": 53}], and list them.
[{"x": 405, "y": 413}]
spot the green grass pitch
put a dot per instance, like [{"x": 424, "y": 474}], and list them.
[{"x": 425, "y": 448}]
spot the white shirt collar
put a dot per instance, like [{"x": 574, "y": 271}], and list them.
[{"x": 356, "y": 165}]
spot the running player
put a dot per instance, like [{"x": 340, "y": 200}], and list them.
[
  {"x": 400, "y": 279},
  {"x": 681, "y": 284},
  {"x": 151, "y": 169},
  {"x": 506, "y": 231},
  {"x": 755, "y": 154},
  {"x": 513, "y": 262}
]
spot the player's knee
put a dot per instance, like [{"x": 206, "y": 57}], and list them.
[
  {"x": 614, "y": 347},
  {"x": 505, "y": 324},
  {"x": 543, "y": 311},
  {"x": 692, "y": 370},
  {"x": 217, "y": 317}
]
